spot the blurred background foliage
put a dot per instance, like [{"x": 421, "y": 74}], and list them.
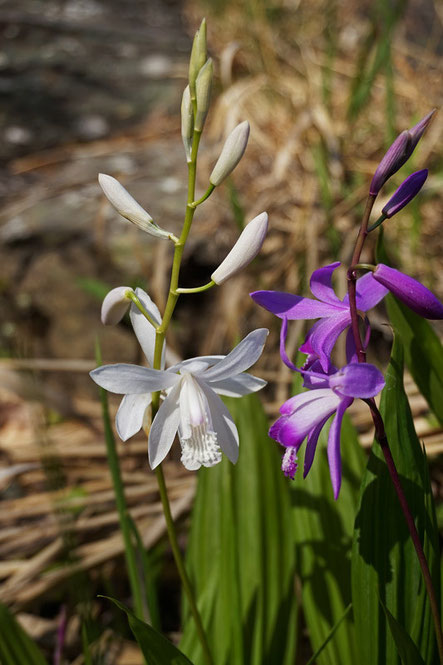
[{"x": 95, "y": 85}]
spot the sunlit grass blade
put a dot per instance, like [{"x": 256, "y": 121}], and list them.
[
  {"x": 384, "y": 561},
  {"x": 241, "y": 554}
]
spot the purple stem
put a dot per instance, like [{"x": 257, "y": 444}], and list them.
[
  {"x": 61, "y": 633},
  {"x": 380, "y": 433}
]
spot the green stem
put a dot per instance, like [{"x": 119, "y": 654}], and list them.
[
  {"x": 120, "y": 500},
  {"x": 181, "y": 566},
  {"x": 131, "y": 295},
  {"x": 198, "y": 289},
  {"x": 205, "y": 196},
  {"x": 159, "y": 341},
  {"x": 379, "y": 221}
]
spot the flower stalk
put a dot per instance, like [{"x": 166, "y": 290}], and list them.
[
  {"x": 159, "y": 341},
  {"x": 380, "y": 433}
]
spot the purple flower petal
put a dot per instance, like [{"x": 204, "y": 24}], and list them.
[
  {"x": 357, "y": 380},
  {"x": 292, "y": 307},
  {"x": 325, "y": 333},
  {"x": 413, "y": 294},
  {"x": 334, "y": 457},
  {"x": 408, "y": 189},
  {"x": 311, "y": 446},
  {"x": 284, "y": 356},
  {"x": 293, "y": 429},
  {"x": 298, "y": 401},
  {"x": 369, "y": 293},
  {"x": 321, "y": 285}
]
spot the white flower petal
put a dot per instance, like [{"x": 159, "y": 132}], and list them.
[
  {"x": 132, "y": 379},
  {"x": 115, "y": 305},
  {"x": 239, "y": 385},
  {"x": 205, "y": 362},
  {"x": 222, "y": 422},
  {"x": 164, "y": 428},
  {"x": 129, "y": 418},
  {"x": 128, "y": 207},
  {"x": 245, "y": 249},
  {"x": 245, "y": 354},
  {"x": 144, "y": 331}
]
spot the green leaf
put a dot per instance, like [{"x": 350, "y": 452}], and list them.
[
  {"x": 406, "y": 648},
  {"x": 314, "y": 659},
  {"x": 384, "y": 561},
  {"x": 241, "y": 555},
  {"x": 422, "y": 347},
  {"x": 323, "y": 530},
  {"x": 156, "y": 649},
  {"x": 16, "y": 647}
]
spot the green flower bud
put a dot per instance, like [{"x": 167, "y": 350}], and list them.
[
  {"x": 198, "y": 57},
  {"x": 203, "y": 87}
]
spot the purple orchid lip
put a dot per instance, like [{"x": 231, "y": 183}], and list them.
[
  {"x": 304, "y": 415},
  {"x": 405, "y": 193},
  {"x": 398, "y": 153},
  {"x": 413, "y": 294}
]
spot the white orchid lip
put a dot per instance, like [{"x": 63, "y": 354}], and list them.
[
  {"x": 192, "y": 406},
  {"x": 127, "y": 206},
  {"x": 245, "y": 249},
  {"x": 115, "y": 305},
  {"x": 232, "y": 152}
]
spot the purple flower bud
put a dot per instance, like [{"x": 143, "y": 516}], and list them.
[
  {"x": 413, "y": 294},
  {"x": 408, "y": 189},
  {"x": 398, "y": 153}
]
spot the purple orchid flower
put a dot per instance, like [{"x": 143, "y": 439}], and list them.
[
  {"x": 334, "y": 314},
  {"x": 305, "y": 415},
  {"x": 413, "y": 294}
]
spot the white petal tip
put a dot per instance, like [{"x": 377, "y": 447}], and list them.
[{"x": 115, "y": 305}]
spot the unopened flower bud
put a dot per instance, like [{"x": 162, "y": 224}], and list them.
[
  {"x": 128, "y": 207},
  {"x": 245, "y": 249},
  {"x": 203, "y": 87},
  {"x": 408, "y": 189},
  {"x": 413, "y": 294},
  {"x": 231, "y": 154},
  {"x": 115, "y": 305},
  {"x": 187, "y": 122},
  {"x": 198, "y": 56},
  {"x": 399, "y": 153}
]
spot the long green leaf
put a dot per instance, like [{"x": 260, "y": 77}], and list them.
[
  {"x": 16, "y": 647},
  {"x": 423, "y": 349},
  {"x": 241, "y": 555},
  {"x": 384, "y": 562},
  {"x": 323, "y": 530},
  {"x": 156, "y": 649},
  {"x": 406, "y": 648}
]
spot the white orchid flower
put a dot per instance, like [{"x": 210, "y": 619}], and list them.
[{"x": 192, "y": 406}]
